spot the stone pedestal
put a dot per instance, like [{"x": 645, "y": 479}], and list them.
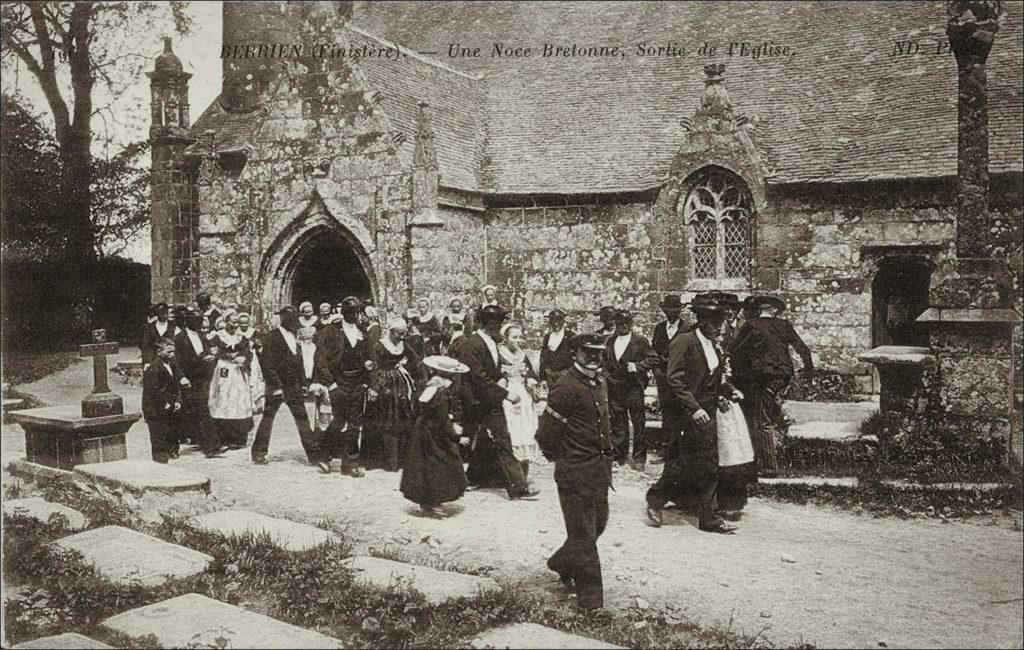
[{"x": 60, "y": 437}]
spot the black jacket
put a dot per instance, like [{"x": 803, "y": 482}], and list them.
[
  {"x": 761, "y": 346},
  {"x": 197, "y": 370},
  {"x": 160, "y": 391},
  {"x": 661, "y": 342},
  {"x": 282, "y": 369},
  {"x": 150, "y": 337},
  {"x": 638, "y": 351},
  {"x": 692, "y": 383},
  {"x": 339, "y": 361},
  {"x": 561, "y": 358},
  {"x": 481, "y": 394},
  {"x": 574, "y": 430}
]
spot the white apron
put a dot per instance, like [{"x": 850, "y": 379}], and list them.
[{"x": 734, "y": 447}]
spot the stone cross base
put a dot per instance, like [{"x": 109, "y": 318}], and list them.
[
  {"x": 100, "y": 404},
  {"x": 59, "y": 437}
]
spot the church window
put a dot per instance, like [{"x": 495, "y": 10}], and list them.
[{"x": 718, "y": 211}]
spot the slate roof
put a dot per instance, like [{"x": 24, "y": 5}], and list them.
[
  {"x": 842, "y": 109},
  {"x": 233, "y": 131}
]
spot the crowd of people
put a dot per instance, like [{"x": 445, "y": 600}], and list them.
[{"x": 453, "y": 400}]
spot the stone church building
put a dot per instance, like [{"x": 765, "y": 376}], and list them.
[{"x": 395, "y": 171}]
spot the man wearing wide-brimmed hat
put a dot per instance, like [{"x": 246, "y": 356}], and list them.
[
  {"x": 764, "y": 367},
  {"x": 575, "y": 432},
  {"x": 664, "y": 333},
  {"x": 695, "y": 368},
  {"x": 628, "y": 359},
  {"x": 482, "y": 398}
]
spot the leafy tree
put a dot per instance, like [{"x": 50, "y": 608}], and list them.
[{"x": 72, "y": 49}]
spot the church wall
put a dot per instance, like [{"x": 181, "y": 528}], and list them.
[
  {"x": 322, "y": 149},
  {"x": 810, "y": 249},
  {"x": 448, "y": 261}
]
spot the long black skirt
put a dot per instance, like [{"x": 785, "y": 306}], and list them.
[{"x": 433, "y": 471}]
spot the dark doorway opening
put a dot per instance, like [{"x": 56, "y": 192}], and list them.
[
  {"x": 899, "y": 294},
  {"x": 328, "y": 270}
]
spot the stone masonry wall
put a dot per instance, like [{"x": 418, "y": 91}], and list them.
[
  {"x": 448, "y": 261},
  {"x": 174, "y": 245},
  {"x": 810, "y": 250},
  {"x": 323, "y": 157}
]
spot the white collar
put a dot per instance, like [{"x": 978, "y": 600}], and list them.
[
  {"x": 491, "y": 345},
  {"x": 289, "y": 338},
  {"x": 307, "y": 320},
  {"x": 586, "y": 371},
  {"x": 555, "y": 339},
  {"x": 193, "y": 337},
  {"x": 710, "y": 352},
  {"x": 229, "y": 339},
  {"x": 162, "y": 327},
  {"x": 395, "y": 349},
  {"x": 433, "y": 385}
]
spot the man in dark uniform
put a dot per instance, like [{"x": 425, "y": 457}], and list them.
[
  {"x": 628, "y": 358},
  {"x": 606, "y": 315},
  {"x": 482, "y": 400},
  {"x": 664, "y": 333},
  {"x": 556, "y": 353},
  {"x": 695, "y": 367},
  {"x": 764, "y": 369},
  {"x": 346, "y": 354},
  {"x": 575, "y": 432},
  {"x": 195, "y": 361}
]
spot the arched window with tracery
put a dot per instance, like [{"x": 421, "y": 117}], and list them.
[{"x": 719, "y": 211}]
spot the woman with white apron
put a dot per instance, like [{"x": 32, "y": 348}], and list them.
[
  {"x": 231, "y": 403},
  {"x": 256, "y": 384},
  {"x": 520, "y": 378}
]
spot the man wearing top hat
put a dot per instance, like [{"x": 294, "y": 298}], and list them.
[
  {"x": 764, "y": 367},
  {"x": 346, "y": 360},
  {"x": 695, "y": 368},
  {"x": 281, "y": 361},
  {"x": 628, "y": 358},
  {"x": 482, "y": 398},
  {"x": 556, "y": 353},
  {"x": 664, "y": 333},
  {"x": 575, "y": 432}
]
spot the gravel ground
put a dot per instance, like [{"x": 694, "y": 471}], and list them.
[{"x": 793, "y": 573}]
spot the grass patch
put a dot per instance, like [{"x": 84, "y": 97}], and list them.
[
  {"x": 313, "y": 589},
  {"x": 27, "y": 367}
]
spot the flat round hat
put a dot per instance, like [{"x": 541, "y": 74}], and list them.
[{"x": 445, "y": 364}]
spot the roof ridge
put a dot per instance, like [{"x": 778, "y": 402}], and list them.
[{"x": 414, "y": 54}]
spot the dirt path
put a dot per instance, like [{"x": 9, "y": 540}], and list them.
[{"x": 854, "y": 581}]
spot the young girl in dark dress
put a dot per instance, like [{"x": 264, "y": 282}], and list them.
[{"x": 433, "y": 472}]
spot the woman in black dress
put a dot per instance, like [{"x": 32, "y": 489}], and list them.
[
  {"x": 396, "y": 369},
  {"x": 429, "y": 325},
  {"x": 433, "y": 472}
]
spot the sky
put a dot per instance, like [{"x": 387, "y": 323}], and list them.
[{"x": 200, "y": 55}]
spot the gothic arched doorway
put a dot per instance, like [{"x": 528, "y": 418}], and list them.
[
  {"x": 899, "y": 294},
  {"x": 325, "y": 267}
]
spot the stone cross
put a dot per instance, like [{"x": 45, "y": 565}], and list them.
[{"x": 101, "y": 402}]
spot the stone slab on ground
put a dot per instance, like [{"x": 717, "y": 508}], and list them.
[
  {"x": 803, "y": 412},
  {"x": 436, "y": 586},
  {"x": 125, "y": 557},
  {"x": 836, "y": 431},
  {"x": 69, "y": 640},
  {"x": 285, "y": 534},
  {"x": 40, "y": 509},
  {"x": 847, "y": 481},
  {"x": 195, "y": 621},
  {"x": 531, "y": 635},
  {"x": 35, "y": 472},
  {"x": 947, "y": 487},
  {"x": 141, "y": 476}
]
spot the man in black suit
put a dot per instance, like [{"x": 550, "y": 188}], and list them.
[
  {"x": 195, "y": 361},
  {"x": 556, "y": 350},
  {"x": 283, "y": 374},
  {"x": 606, "y": 315},
  {"x": 695, "y": 367},
  {"x": 206, "y": 308},
  {"x": 628, "y": 358},
  {"x": 161, "y": 401},
  {"x": 664, "y": 333},
  {"x": 345, "y": 354},
  {"x": 161, "y": 328},
  {"x": 482, "y": 406}
]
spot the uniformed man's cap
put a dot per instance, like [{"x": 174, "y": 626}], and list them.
[
  {"x": 624, "y": 317},
  {"x": 589, "y": 341},
  {"x": 556, "y": 314},
  {"x": 605, "y": 312}
]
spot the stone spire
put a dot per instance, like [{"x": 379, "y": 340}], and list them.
[{"x": 425, "y": 155}]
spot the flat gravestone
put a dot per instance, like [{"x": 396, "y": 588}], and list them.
[
  {"x": 141, "y": 476},
  {"x": 42, "y": 510},
  {"x": 195, "y": 621},
  {"x": 531, "y": 635},
  {"x": 436, "y": 586},
  {"x": 69, "y": 640},
  {"x": 826, "y": 430},
  {"x": 126, "y": 557},
  {"x": 814, "y": 481},
  {"x": 287, "y": 535}
]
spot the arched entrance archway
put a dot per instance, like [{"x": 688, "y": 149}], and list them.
[{"x": 326, "y": 268}]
